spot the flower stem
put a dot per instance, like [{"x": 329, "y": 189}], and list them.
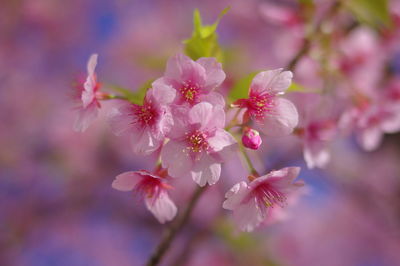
[
  {"x": 171, "y": 233},
  {"x": 250, "y": 165}
]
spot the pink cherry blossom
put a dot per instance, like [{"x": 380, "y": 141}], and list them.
[
  {"x": 147, "y": 124},
  {"x": 392, "y": 92},
  {"x": 316, "y": 136},
  {"x": 198, "y": 144},
  {"x": 251, "y": 138},
  {"x": 272, "y": 115},
  {"x": 318, "y": 125},
  {"x": 194, "y": 81},
  {"x": 362, "y": 60},
  {"x": 151, "y": 188},
  {"x": 371, "y": 122},
  {"x": 89, "y": 97},
  {"x": 252, "y": 202}
]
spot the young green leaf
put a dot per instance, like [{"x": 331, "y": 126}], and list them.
[
  {"x": 204, "y": 40},
  {"x": 295, "y": 87},
  {"x": 240, "y": 89},
  {"x": 135, "y": 97}
]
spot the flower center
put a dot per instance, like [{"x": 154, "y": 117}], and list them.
[
  {"x": 197, "y": 141},
  {"x": 259, "y": 104},
  {"x": 267, "y": 196},
  {"x": 149, "y": 187},
  {"x": 189, "y": 92},
  {"x": 145, "y": 114}
]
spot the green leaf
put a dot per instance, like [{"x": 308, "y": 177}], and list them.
[
  {"x": 240, "y": 89},
  {"x": 374, "y": 13},
  {"x": 204, "y": 40},
  {"x": 295, "y": 87},
  {"x": 135, "y": 97}
]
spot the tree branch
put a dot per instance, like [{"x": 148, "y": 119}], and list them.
[
  {"x": 171, "y": 232},
  {"x": 305, "y": 48}
]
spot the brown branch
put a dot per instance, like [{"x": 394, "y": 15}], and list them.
[
  {"x": 305, "y": 48},
  {"x": 171, "y": 232}
]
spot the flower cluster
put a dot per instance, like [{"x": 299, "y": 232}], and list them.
[{"x": 182, "y": 119}]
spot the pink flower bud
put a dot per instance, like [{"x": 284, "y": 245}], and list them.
[{"x": 251, "y": 138}]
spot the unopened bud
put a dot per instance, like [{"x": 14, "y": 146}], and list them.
[{"x": 251, "y": 138}]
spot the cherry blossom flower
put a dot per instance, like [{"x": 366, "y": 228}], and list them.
[
  {"x": 251, "y": 138},
  {"x": 392, "y": 92},
  {"x": 147, "y": 124},
  {"x": 152, "y": 188},
  {"x": 89, "y": 96},
  {"x": 370, "y": 122},
  {"x": 316, "y": 138},
  {"x": 317, "y": 127},
  {"x": 272, "y": 115},
  {"x": 362, "y": 60},
  {"x": 194, "y": 81},
  {"x": 198, "y": 144},
  {"x": 252, "y": 202}
]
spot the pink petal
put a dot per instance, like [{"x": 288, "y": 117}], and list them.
[
  {"x": 282, "y": 120},
  {"x": 370, "y": 138},
  {"x": 165, "y": 123},
  {"x": 289, "y": 173},
  {"x": 143, "y": 142},
  {"x": 247, "y": 216},
  {"x": 85, "y": 117},
  {"x": 316, "y": 154},
  {"x": 214, "y": 98},
  {"x": 207, "y": 116},
  {"x": 278, "y": 14},
  {"x": 206, "y": 171},
  {"x": 348, "y": 119},
  {"x": 201, "y": 114},
  {"x": 220, "y": 140},
  {"x": 88, "y": 95},
  {"x": 174, "y": 157},
  {"x": 272, "y": 81},
  {"x": 218, "y": 118},
  {"x": 392, "y": 123},
  {"x": 161, "y": 93},
  {"x": 90, "y": 83},
  {"x": 235, "y": 196},
  {"x": 182, "y": 68},
  {"x": 214, "y": 73},
  {"x": 120, "y": 119},
  {"x": 91, "y": 65},
  {"x": 181, "y": 124},
  {"x": 281, "y": 179},
  {"x": 126, "y": 181},
  {"x": 163, "y": 208},
  {"x": 175, "y": 65}
]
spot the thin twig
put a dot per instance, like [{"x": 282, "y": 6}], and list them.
[
  {"x": 193, "y": 240},
  {"x": 171, "y": 232},
  {"x": 250, "y": 165},
  {"x": 305, "y": 48}
]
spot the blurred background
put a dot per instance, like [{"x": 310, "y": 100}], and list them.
[{"x": 57, "y": 206}]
